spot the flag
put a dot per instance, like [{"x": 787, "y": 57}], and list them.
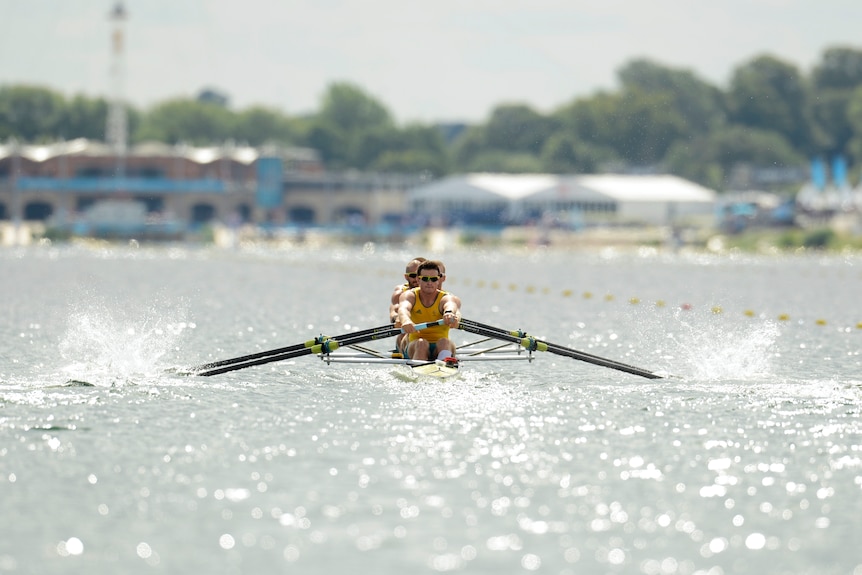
[
  {"x": 839, "y": 172},
  {"x": 818, "y": 173}
]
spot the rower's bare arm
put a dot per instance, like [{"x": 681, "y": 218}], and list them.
[
  {"x": 450, "y": 305},
  {"x": 405, "y": 308},
  {"x": 393, "y": 303}
]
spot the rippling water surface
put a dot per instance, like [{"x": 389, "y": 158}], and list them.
[{"x": 747, "y": 459}]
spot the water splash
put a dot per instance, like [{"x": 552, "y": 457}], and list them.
[
  {"x": 720, "y": 351},
  {"x": 112, "y": 345}
]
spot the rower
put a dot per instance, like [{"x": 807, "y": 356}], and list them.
[
  {"x": 429, "y": 303},
  {"x": 410, "y": 281}
]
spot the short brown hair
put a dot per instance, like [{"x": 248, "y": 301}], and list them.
[{"x": 431, "y": 265}]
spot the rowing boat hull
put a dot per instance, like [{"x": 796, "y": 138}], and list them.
[{"x": 435, "y": 369}]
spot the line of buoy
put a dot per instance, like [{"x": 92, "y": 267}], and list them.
[{"x": 633, "y": 300}]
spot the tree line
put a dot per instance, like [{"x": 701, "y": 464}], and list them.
[{"x": 772, "y": 115}]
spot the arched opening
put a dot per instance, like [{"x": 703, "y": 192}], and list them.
[
  {"x": 244, "y": 212},
  {"x": 301, "y": 215},
  {"x": 155, "y": 204},
  {"x": 350, "y": 215},
  {"x": 38, "y": 211},
  {"x": 203, "y": 213}
]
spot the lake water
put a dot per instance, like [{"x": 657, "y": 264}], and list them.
[{"x": 748, "y": 459}]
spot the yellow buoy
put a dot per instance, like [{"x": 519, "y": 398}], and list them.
[
  {"x": 716, "y": 309},
  {"x": 660, "y": 303},
  {"x": 634, "y": 301},
  {"x": 567, "y": 293},
  {"x": 783, "y": 317},
  {"x": 821, "y": 322},
  {"x": 749, "y": 313}
]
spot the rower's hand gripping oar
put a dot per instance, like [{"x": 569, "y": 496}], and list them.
[
  {"x": 321, "y": 344},
  {"x": 532, "y": 344}
]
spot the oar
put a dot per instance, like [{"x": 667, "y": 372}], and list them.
[
  {"x": 533, "y": 344},
  {"x": 327, "y": 345},
  {"x": 306, "y": 344}
]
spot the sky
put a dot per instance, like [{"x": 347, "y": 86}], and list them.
[{"x": 425, "y": 61}]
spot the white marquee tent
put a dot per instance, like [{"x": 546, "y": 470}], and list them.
[{"x": 516, "y": 198}]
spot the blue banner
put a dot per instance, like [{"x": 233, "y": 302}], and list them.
[
  {"x": 839, "y": 171},
  {"x": 818, "y": 173},
  {"x": 130, "y": 185},
  {"x": 269, "y": 182}
]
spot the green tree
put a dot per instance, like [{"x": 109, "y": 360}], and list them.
[
  {"x": 711, "y": 158},
  {"x": 421, "y": 149},
  {"x": 370, "y": 144},
  {"x": 834, "y": 80},
  {"x": 348, "y": 120},
  {"x": 84, "y": 117},
  {"x": 467, "y": 146},
  {"x": 700, "y": 104},
  {"x": 31, "y": 113},
  {"x": 831, "y": 129},
  {"x": 770, "y": 94},
  {"x": 839, "y": 68},
  {"x": 414, "y": 148},
  {"x": 350, "y": 109},
  {"x": 258, "y": 125},
  {"x": 412, "y": 162},
  {"x": 517, "y": 128},
  {"x": 854, "y": 119},
  {"x": 185, "y": 120},
  {"x": 645, "y": 127},
  {"x": 562, "y": 154},
  {"x": 591, "y": 119},
  {"x": 505, "y": 162},
  {"x": 330, "y": 143}
]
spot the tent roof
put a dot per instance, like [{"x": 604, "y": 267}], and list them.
[
  {"x": 603, "y": 187},
  {"x": 649, "y": 188}
]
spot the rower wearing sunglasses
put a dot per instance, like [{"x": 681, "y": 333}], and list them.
[
  {"x": 411, "y": 280},
  {"x": 428, "y": 303}
]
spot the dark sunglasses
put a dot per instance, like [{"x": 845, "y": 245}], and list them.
[
  {"x": 429, "y": 278},
  {"x": 410, "y": 275}
]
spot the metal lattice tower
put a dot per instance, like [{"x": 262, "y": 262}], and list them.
[{"x": 117, "y": 130}]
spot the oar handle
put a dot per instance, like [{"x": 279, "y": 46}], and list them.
[{"x": 426, "y": 325}]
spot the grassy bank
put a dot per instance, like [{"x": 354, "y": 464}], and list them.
[{"x": 792, "y": 240}]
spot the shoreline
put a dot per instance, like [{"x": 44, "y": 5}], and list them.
[{"x": 768, "y": 241}]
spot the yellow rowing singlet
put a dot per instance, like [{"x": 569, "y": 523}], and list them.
[{"x": 422, "y": 314}]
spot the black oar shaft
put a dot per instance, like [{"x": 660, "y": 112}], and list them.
[
  {"x": 327, "y": 345},
  {"x": 281, "y": 350},
  {"x": 531, "y": 343},
  {"x": 330, "y": 344}
]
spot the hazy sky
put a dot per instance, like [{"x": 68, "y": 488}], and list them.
[{"x": 430, "y": 60}]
